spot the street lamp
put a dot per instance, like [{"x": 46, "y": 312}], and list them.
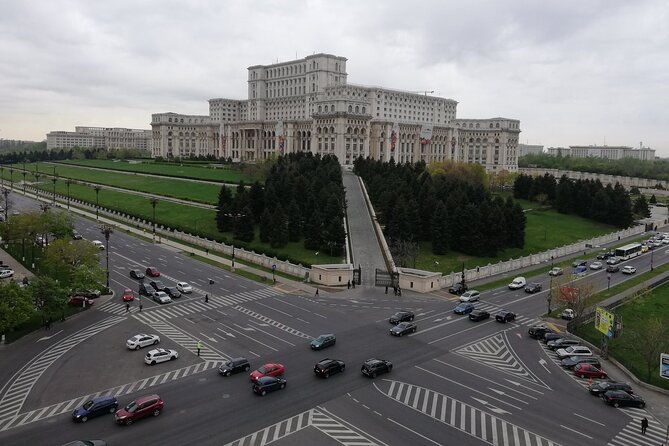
[
  {"x": 11, "y": 178},
  {"x": 154, "y": 202},
  {"x": 97, "y": 202},
  {"x": 5, "y": 191},
  {"x": 24, "y": 176},
  {"x": 68, "y": 182},
  {"x": 36, "y": 185},
  {"x": 107, "y": 230},
  {"x": 54, "y": 185},
  {"x": 651, "y": 259},
  {"x": 550, "y": 288}
]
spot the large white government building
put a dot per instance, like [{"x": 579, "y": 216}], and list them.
[
  {"x": 110, "y": 138},
  {"x": 307, "y": 105},
  {"x": 608, "y": 152}
]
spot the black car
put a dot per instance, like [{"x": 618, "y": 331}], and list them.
[
  {"x": 599, "y": 388},
  {"x": 136, "y": 274},
  {"x": 324, "y": 340},
  {"x": 505, "y": 316},
  {"x": 562, "y": 343},
  {"x": 579, "y": 262},
  {"x": 612, "y": 269},
  {"x": 570, "y": 362},
  {"x": 262, "y": 386},
  {"x": 613, "y": 260},
  {"x": 172, "y": 292},
  {"x": 76, "y": 235},
  {"x": 327, "y": 367},
  {"x": 552, "y": 337},
  {"x": 157, "y": 285},
  {"x": 374, "y": 367},
  {"x": 235, "y": 365},
  {"x": 538, "y": 331},
  {"x": 533, "y": 287},
  {"x": 605, "y": 255},
  {"x": 479, "y": 315},
  {"x": 403, "y": 328},
  {"x": 145, "y": 290},
  {"x": 401, "y": 316},
  {"x": 458, "y": 288},
  {"x": 617, "y": 398},
  {"x": 89, "y": 294},
  {"x": 94, "y": 408}
]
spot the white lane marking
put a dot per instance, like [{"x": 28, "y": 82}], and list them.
[
  {"x": 254, "y": 353},
  {"x": 282, "y": 312},
  {"x": 589, "y": 419},
  {"x": 254, "y": 340},
  {"x": 275, "y": 337},
  {"x": 517, "y": 384},
  {"x": 489, "y": 406},
  {"x": 49, "y": 337},
  {"x": 575, "y": 431},
  {"x": 209, "y": 337},
  {"x": 543, "y": 364},
  {"x": 413, "y": 431}
]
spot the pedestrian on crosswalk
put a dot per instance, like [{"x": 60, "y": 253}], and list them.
[
  {"x": 644, "y": 425},
  {"x": 206, "y": 298},
  {"x": 316, "y": 292},
  {"x": 140, "y": 307},
  {"x": 127, "y": 308},
  {"x": 199, "y": 347}
]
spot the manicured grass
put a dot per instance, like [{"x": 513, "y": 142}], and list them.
[
  {"x": 545, "y": 229},
  {"x": 635, "y": 316}
]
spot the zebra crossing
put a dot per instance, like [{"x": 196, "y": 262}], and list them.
[
  {"x": 21, "y": 419},
  {"x": 15, "y": 392},
  {"x": 319, "y": 418},
  {"x": 461, "y": 416},
  {"x": 272, "y": 322},
  {"x": 189, "y": 342},
  {"x": 496, "y": 352},
  {"x": 631, "y": 434}
]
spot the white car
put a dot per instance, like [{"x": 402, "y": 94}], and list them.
[
  {"x": 574, "y": 350},
  {"x": 98, "y": 244},
  {"x": 161, "y": 297},
  {"x": 518, "y": 283},
  {"x": 184, "y": 287},
  {"x": 142, "y": 340},
  {"x": 596, "y": 265},
  {"x": 628, "y": 269},
  {"x": 6, "y": 273},
  {"x": 470, "y": 296},
  {"x": 556, "y": 271},
  {"x": 160, "y": 355}
]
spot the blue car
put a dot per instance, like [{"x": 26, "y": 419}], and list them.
[
  {"x": 94, "y": 408},
  {"x": 464, "y": 308}
]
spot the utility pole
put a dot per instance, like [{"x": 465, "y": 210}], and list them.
[
  {"x": 107, "y": 230},
  {"x": 97, "y": 202},
  {"x": 154, "y": 202}
]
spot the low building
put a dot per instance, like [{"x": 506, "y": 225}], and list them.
[
  {"x": 109, "y": 138},
  {"x": 530, "y": 149},
  {"x": 608, "y": 152}
]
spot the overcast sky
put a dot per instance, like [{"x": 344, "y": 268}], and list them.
[{"x": 573, "y": 72}]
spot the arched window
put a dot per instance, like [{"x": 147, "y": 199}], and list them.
[
  {"x": 331, "y": 129},
  {"x": 349, "y": 130},
  {"x": 363, "y": 110},
  {"x": 320, "y": 109},
  {"x": 350, "y": 109},
  {"x": 497, "y": 125},
  {"x": 357, "y": 109}
]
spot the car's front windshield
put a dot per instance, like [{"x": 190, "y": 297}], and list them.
[
  {"x": 132, "y": 407},
  {"x": 88, "y": 405}
]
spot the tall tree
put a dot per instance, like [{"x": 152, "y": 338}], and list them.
[
  {"x": 16, "y": 306},
  {"x": 279, "y": 233},
  {"x": 439, "y": 226},
  {"x": 225, "y": 210},
  {"x": 244, "y": 226},
  {"x": 256, "y": 200}
]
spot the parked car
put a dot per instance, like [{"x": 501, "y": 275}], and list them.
[
  {"x": 562, "y": 343},
  {"x": 6, "y": 273},
  {"x": 323, "y": 341},
  {"x": 517, "y": 283},
  {"x": 599, "y": 388},
  {"x": 618, "y": 398},
  {"x": 269, "y": 369},
  {"x": 551, "y": 337},
  {"x": 505, "y": 316},
  {"x": 94, "y": 408},
  {"x": 585, "y": 370},
  {"x": 596, "y": 265},
  {"x": 401, "y": 316},
  {"x": 136, "y": 274},
  {"x": 458, "y": 288},
  {"x": 573, "y": 350},
  {"x": 142, "y": 340},
  {"x": 612, "y": 268},
  {"x": 605, "y": 255},
  {"x": 568, "y": 314},
  {"x": 152, "y": 272},
  {"x": 556, "y": 271},
  {"x": 128, "y": 295},
  {"x": 628, "y": 269},
  {"x": 158, "y": 355},
  {"x": 86, "y": 442},
  {"x": 579, "y": 262},
  {"x": 403, "y": 328},
  {"x": 89, "y": 293},
  {"x": 479, "y": 315},
  {"x": 464, "y": 308},
  {"x": 538, "y": 331},
  {"x": 375, "y": 367},
  {"x": 76, "y": 235},
  {"x": 235, "y": 365},
  {"x": 533, "y": 287},
  {"x": 184, "y": 287},
  {"x": 98, "y": 244},
  {"x": 161, "y": 297},
  {"x": 146, "y": 290},
  {"x": 572, "y": 361},
  {"x": 139, "y": 408},
  {"x": 267, "y": 384},
  {"x": 172, "y": 292},
  {"x": 613, "y": 260},
  {"x": 157, "y": 285},
  {"x": 470, "y": 296},
  {"x": 80, "y": 301},
  {"x": 327, "y": 367}
]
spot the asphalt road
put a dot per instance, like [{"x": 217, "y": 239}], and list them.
[{"x": 454, "y": 382}]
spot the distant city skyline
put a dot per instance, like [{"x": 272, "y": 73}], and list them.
[{"x": 592, "y": 75}]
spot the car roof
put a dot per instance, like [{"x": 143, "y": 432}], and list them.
[
  {"x": 145, "y": 398},
  {"x": 266, "y": 379}
]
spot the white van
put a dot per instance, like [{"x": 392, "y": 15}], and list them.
[
  {"x": 518, "y": 283},
  {"x": 98, "y": 244}
]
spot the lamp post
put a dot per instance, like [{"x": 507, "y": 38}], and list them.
[
  {"x": 97, "y": 202},
  {"x": 68, "y": 182},
  {"x": 107, "y": 230},
  {"x": 2, "y": 175},
  {"x": 154, "y": 202},
  {"x": 5, "y": 192},
  {"x": 53, "y": 179},
  {"x": 550, "y": 288},
  {"x": 36, "y": 185},
  {"x": 651, "y": 259},
  {"x": 24, "y": 176},
  {"x": 11, "y": 178}
]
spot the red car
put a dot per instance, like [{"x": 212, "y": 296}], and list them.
[
  {"x": 140, "y": 408},
  {"x": 128, "y": 295},
  {"x": 78, "y": 301},
  {"x": 152, "y": 272},
  {"x": 585, "y": 370},
  {"x": 267, "y": 370}
]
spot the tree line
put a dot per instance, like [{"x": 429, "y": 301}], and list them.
[
  {"x": 446, "y": 203},
  {"x": 586, "y": 198},
  {"x": 302, "y": 199}
]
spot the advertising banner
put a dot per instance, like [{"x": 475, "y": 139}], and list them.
[
  {"x": 279, "y": 133},
  {"x": 221, "y": 131},
  {"x": 394, "y": 133},
  {"x": 604, "y": 322},
  {"x": 664, "y": 365},
  {"x": 426, "y": 134}
]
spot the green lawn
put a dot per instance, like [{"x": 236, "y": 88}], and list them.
[{"x": 635, "y": 316}]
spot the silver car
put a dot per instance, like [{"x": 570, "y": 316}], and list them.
[
  {"x": 160, "y": 355},
  {"x": 184, "y": 287},
  {"x": 142, "y": 340},
  {"x": 161, "y": 297},
  {"x": 470, "y": 296}
]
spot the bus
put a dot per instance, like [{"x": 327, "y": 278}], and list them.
[{"x": 628, "y": 251}]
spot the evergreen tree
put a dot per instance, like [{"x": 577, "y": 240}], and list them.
[
  {"x": 294, "y": 222},
  {"x": 244, "y": 226},
  {"x": 564, "y": 196},
  {"x": 653, "y": 200},
  {"x": 279, "y": 234},
  {"x": 641, "y": 207},
  {"x": 266, "y": 222},
  {"x": 601, "y": 206},
  {"x": 224, "y": 210},
  {"x": 313, "y": 228},
  {"x": 439, "y": 226},
  {"x": 257, "y": 200}
]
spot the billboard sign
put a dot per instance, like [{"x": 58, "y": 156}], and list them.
[
  {"x": 604, "y": 322},
  {"x": 664, "y": 365},
  {"x": 426, "y": 134}
]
